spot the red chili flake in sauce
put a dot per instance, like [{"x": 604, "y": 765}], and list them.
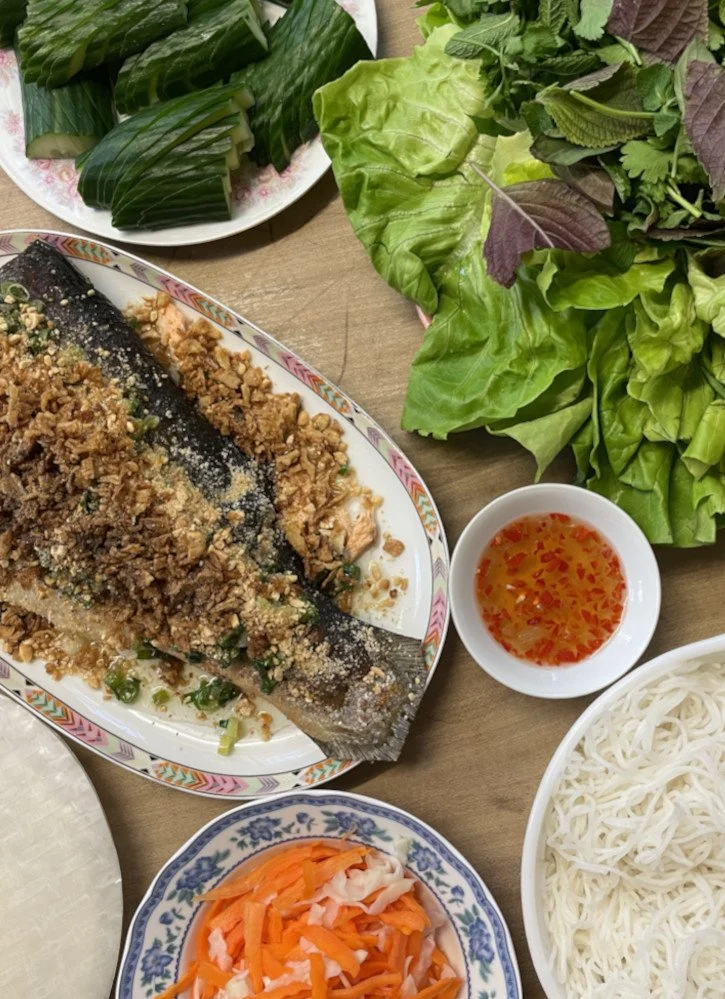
[{"x": 550, "y": 589}]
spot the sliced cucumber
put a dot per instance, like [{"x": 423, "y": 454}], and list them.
[
  {"x": 170, "y": 164},
  {"x": 128, "y": 151},
  {"x": 12, "y": 13},
  {"x": 59, "y": 38},
  {"x": 315, "y": 42},
  {"x": 65, "y": 122},
  {"x": 190, "y": 184},
  {"x": 222, "y": 36}
]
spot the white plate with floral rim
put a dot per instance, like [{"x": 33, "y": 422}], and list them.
[
  {"x": 182, "y": 752},
  {"x": 258, "y": 194},
  {"x": 477, "y": 941}
]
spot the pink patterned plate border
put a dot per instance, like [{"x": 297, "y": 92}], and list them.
[{"x": 29, "y": 692}]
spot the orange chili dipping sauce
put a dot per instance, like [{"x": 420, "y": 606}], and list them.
[{"x": 550, "y": 589}]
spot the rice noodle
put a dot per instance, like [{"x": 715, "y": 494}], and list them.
[{"x": 634, "y": 870}]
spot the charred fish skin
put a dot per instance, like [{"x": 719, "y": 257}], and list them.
[
  {"x": 86, "y": 319},
  {"x": 361, "y": 705}
]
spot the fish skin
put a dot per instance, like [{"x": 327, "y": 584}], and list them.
[{"x": 350, "y": 717}]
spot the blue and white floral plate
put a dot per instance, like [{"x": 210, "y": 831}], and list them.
[{"x": 477, "y": 940}]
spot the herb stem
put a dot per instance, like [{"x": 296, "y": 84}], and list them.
[
  {"x": 628, "y": 47},
  {"x": 675, "y": 155},
  {"x": 682, "y": 202}
]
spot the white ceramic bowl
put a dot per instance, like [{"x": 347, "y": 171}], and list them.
[
  {"x": 532, "y": 873},
  {"x": 641, "y": 609}
]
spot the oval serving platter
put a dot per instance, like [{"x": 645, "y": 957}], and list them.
[
  {"x": 160, "y": 938},
  {"x": 182, "y": 753},
  {"x": 258, "y": 194}
]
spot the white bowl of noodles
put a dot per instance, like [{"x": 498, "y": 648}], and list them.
[{"x": 623, "y": 870}]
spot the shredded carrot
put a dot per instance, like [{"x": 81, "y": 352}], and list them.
[
  {"x": 229, "y": 917},
  {"x": 408, "y": 922},
  {"x": 369, "y": 985},
  {"x": 308, "y": 876},
  {"x": 333, "y": 947},
  {"x": 213, "y": 975},
  {"x": 396, "y": 954},
  {"x": 235, "y": 941},
  {"x": 317, "y": 977},
  {"x": 184, "y": 982},
  {"x": 254, "y": 921},
  {"x": 283, "y": 991},
  {"x": 271, "y": 967},
  {"x": 440, "y": 988},
  {"x": 274, "y": 926},
  {"x": 266, "y": 921}
]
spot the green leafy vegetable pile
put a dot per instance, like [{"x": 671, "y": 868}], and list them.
[{"x": 544, "y": 179}]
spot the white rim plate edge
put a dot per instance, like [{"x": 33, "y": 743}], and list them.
[
  {"x": 133, "y": 950},
  {"x": 27, "y": 689},
  {"x": 116, "y": 930},
  {"x": 265, "y": 196},
  {"x": 535, "y": 931}
]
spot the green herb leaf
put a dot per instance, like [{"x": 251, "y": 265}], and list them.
[
  {"x": 642, "y": 159},
  {"x": 490, "y": 30},
  {"x": 664, "y": 121},
  {"x": 554, "y": 14},
  {"x": 655, "y": 85},
  {"x": 563, "y": 153},
  {"x": 599, "y": 110},
  {"x": 161, "y": 697},
  {"x": 593, "y": 20}
]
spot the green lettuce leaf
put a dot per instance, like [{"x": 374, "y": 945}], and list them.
[
  {"x": 401, "y": 137},
  {"x": 546, "y": 436},
  {"x": 618, "y": 419},
  {"x": 707, "y": 446},
  {"x": 571, "y": 281},
  {"x": 490, "y": 353},
  {"x": 644, "y": 493},
  {"x": 708, "y": 286}
]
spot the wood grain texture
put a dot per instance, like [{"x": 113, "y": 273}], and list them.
[{"x": 477, "y": 751}]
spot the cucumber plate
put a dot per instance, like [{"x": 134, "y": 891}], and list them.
[{"x": 258, "y": 193}]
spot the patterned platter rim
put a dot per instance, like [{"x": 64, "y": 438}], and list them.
[
  {"x": 481, "y": 929},
  {"x": 86, "y": 732}
]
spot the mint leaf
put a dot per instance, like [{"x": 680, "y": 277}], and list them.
[
  {"x": 554, "y": 14},
  {"x": 663, "y": 27},
  {"x": 704, "y": 120},
  {"x": 535, "y": 215},
  {"x": 641, "y": 159},
  {"x": 593, "y": 20},
  {"x": 490, "y": 30},
  {"x": 655, "y": 85},
  {"x": 601, "y": 109},
  {"x": 571, "y": 64}
]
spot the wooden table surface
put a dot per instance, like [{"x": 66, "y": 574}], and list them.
[{"x": 477, "y": 751}]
